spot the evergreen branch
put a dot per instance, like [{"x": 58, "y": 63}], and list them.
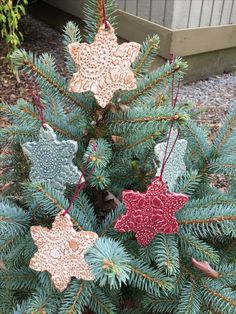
[
  {"x": 53, "y": 202},
  {"x": 194, "y": 276},
  {"x": 110, "y": 220},
  {"x": 147, "y": 119},
  {"x": 215, "y": 220},
  {"x": 16, "y": 134},
  {"x": 10, "y": 111},
  {"x": 82, "y": 203},
  {"x": 227, "y": 272},
  {"x": 208, "y": 202},
  {"x": 55, "y": 85},
  {"x": 188, "y": 310},
  {"x": 198, "y": 248},
  {"x": 166, "y": 254},
  {"x": 93, "y": 16},
  {"x": 225, "y": 165},
  {"x": 13, "y": 220},
  {"x": 18, "y": 279},
  {"x": 146, "y": 56},
  {"x": 20, "y": 57},
  {"x": 151, "y": 83},
  {"x": 99, "y": 14},
  {"x": 218, "y": 296},
  {"x": 188, "y": 183},
  {"x": 145, "y": 276},
  {"x": 8, "y": 242},
  {"x": 201, "y": 142},
  {"x": 224, "y": 133},
  {"x": 71, "y": 34},
  {"x": 207, "y": 220},
  {"x": 101, "y": 302},
  {"x": 53, "y": 125},
  {"x": 189, "y": 300},
  {"x": 109, "y": 262},
  {"x": 42, "y": 302},
  {"x": 141, "y": 141},
  {"x": 76, "y": 297},
  {"x": 162, "y": 304},
  {"x": 56, "y": 204},
  {"x": 50, "y": 198},
  {"x": 101, "y": 305},
  {"x": 148, "y": 279}
]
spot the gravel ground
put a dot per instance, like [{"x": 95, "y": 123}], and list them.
[{"x": 213, "y": 96}]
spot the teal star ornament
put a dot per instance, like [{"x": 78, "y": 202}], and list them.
[
  {"x": 52, "y": 160},
  {"x": 175, "y": 166}
]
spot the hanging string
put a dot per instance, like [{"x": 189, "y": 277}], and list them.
[
  {"x": 166, "y": 158},
  {"x": 38, "y": 105},
  {"x": 173, "y": 103},
  {"x": 167, "y": 145},
  {"x": 104, "y": 19},
  {"x": 79, "y": 186}
]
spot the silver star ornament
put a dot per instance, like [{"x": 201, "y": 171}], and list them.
[
  {"x": 175, "y": 166},
  {"x": 52, "y": 160}
]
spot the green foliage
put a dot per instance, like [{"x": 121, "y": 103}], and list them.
[
  {"x": 76, "y": 297},
  {"x": 10, "y": 14},
  {"x": 13, "y": 220},
  {"x": 218, "y": 297},
  {"x": 100, "y": 303},
  {"x": 93, "y": 16},
  {"x": 71, "y": 35},
  {"x": 158, "y": 278},
  {"x": 40, "y": 301},
  {"x": 162, "y": 304},
  {"x": 109, "y": 262},
  {"x": 190, "y": 299},
  {"x": 147, "y": 278},
  {"x": 147, "y": 55},
  {"x": 166, "y": 254}
]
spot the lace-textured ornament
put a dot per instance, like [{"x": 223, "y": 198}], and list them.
[
  {"x": 175, "y": 166},
  {"x": 52, "y": 160},
  {"x": 103, "y": 66},
  {"x": 61, "y": 251},
  {"x": 151, "y": 212}
]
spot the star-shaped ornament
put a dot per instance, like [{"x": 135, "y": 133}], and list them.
[
  {"x": 151, "y": 212},
  {"x": 52, "y": 160},
  {"x": 175, "y": 166},
  {"x": 61, "y": 251},
  {"x": 103, "y": 66}
]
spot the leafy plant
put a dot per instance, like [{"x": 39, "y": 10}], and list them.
[{"x": 10, "y": 14}]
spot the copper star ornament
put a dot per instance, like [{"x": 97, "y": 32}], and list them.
[
  {"x": 103, "y": 66},
  {"x": 61, "y": 251}
]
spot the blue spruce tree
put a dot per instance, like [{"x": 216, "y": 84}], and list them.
[{"x": 160, "y": 277}]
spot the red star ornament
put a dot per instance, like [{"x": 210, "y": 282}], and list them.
[{"x": 151, "y": 212}]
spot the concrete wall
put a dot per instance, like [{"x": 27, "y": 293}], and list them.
[{"x": 178, "y": 14}]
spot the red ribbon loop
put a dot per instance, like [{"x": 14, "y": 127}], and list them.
[{"x": 104, "y": 20}]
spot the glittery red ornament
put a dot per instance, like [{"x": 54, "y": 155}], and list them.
[{"x": 151, "y": 212}]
